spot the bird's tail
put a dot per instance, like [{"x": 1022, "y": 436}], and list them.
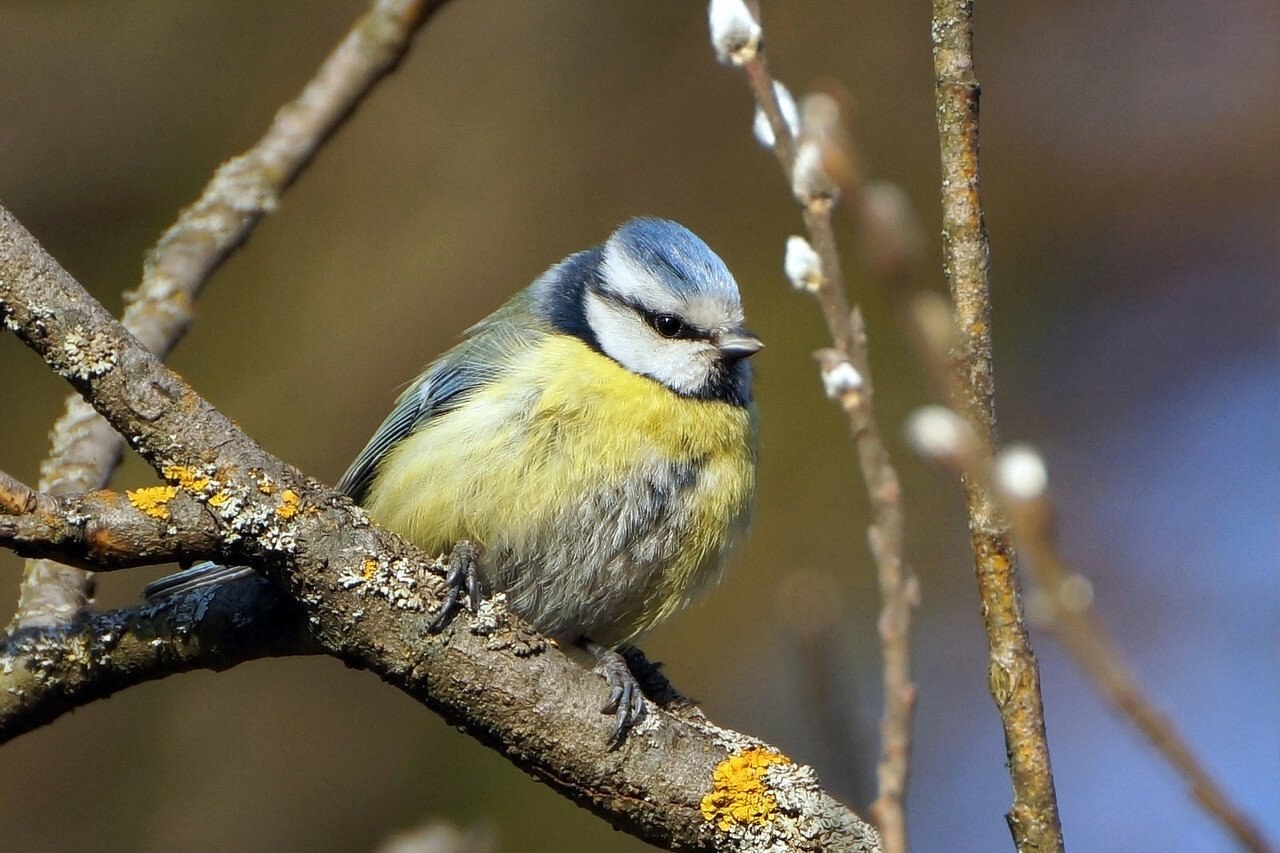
[{"x": 200, "y": 575}]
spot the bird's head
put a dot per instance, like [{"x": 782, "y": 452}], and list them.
[{"x": 658, "y": 301}]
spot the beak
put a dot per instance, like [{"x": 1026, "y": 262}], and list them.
[{"x": 738, "y": 343}]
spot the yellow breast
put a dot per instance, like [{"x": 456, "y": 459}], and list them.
[{"x": 562, "y": 424}]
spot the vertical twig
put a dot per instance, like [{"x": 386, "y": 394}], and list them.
[
  {"x": 846, "y": 372},
  {"x": 890, "y": 234},
  {"x": 1013, "y": 674},
  {"x": 85, "y": 450}
]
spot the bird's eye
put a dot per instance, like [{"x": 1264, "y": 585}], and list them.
[{"x": 668, "y": 325}]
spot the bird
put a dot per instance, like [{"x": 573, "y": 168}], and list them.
[{"x": 589, "y": 449}]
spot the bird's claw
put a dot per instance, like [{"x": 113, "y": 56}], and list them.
[
  {"x": 626, "y": 699},
  {"x": 462, "y": 576}
]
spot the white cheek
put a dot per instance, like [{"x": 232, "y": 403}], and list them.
[{"x": 679, "y": 364}]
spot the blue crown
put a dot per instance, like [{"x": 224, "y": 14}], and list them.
[{"x": 676, "y": 256}]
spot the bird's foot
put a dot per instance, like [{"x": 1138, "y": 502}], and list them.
[
  {"x": 461, "y": 578},
  {"x": 626, "y": 699}
]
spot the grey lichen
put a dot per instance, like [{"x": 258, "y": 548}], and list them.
[
  {"x": 495, "y": 621},
  {"x": 807, "y": 812},
  {"x": 85, "y": 357},
  {"x": 398, "y": 581}
]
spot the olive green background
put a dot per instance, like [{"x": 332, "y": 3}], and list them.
[{"x": 1131, "y": 182}]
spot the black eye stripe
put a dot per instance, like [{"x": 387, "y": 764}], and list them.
[
  {"x": 687, "y": 331},
  {"x": 673, "y": 326}
]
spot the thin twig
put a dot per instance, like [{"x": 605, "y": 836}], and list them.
[
  {"x": 929, "y": 325},
  {"x": 1078, "y": 626},
  {"x": 1018, "y": 479},
  {"x": 1072, "y": 618},
  {"x": 1013, "y": 675},
  {"x": 846, "y": 372},
  {"x": 85, "y": 450}
]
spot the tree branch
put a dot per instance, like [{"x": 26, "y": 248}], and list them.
[
  {"x": 1017, "y": 477},
  {"x": 1014, "y": 677},
  {"x": 85, "y": 450},
  {"x": 890, "y": 242},
  {"x": 46, "y": 672},
  {"x": 367, "y": 597},
  {"x": 808, "y": 161},
  {"x": 103, "y": 531},
  {"x": 1079, "y": 627}
]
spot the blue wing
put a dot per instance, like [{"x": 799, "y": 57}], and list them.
[
  {"x": 445, "y": 386},
  {"x": 436, "y": 393}
]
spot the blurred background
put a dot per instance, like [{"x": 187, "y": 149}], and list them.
[{"x": 1131, "y": 182}]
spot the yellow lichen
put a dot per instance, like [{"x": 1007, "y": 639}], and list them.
[
  {"x": 289, "y": 504},
  {"x": 370, "y": 569},
  {"x": 739, "y": 796},
  {"x": 186, "y": 477},
  {"x": 219, "y": 499},
  {"x": 152, "y": 500}
]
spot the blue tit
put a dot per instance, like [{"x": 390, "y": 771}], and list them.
[{"x": 593, "y": 441}]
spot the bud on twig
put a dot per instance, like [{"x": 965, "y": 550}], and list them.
[
  {"x": 841, "y": 380},
  {"x": 936, "y": 320},
  {"x": 939, "y": 434},
  {"x": 893, "y": 240},
  {"x": 1021, "y": 473},
  {"x": 809, "y": 179},
  {"x": 735, "y": 34},
  {"x": 790, "y": 114},
  {"x": 802, "y": 265}
]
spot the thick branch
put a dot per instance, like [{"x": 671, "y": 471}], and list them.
[
  {"x": 46, "y": 672},
  {"x": 1014, "y": 677},
  {"x": 85, "y": 450},
  {"x": 367, "y": 597}
]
